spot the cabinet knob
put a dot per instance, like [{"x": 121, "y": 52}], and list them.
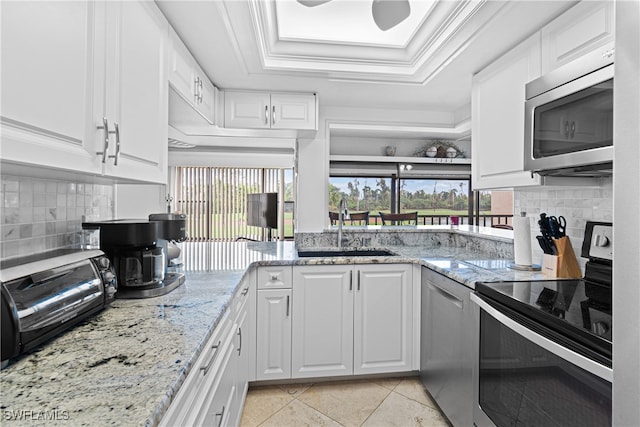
[{"x": 274, "y": 277}]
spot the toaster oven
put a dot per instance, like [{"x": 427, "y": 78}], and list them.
[{"x": 45, "y": 294}]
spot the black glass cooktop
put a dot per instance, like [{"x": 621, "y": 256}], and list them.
[{"x": 577, "y": 309}]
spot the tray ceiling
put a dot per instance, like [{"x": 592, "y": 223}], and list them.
[{"x": 425, "y": 63}]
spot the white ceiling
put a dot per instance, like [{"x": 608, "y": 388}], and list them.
[{"x": 426, "y": 65}]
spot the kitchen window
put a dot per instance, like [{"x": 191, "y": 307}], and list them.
[
  {"x": 435, "y": 199},
  {"x": 215, "y": 200}
]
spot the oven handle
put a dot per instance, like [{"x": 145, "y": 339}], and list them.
[{"x": 570, "y": 356}]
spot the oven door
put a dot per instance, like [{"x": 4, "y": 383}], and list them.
[{"x": 523, "y": 378}]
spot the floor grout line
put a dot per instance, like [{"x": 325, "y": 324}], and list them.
[{"x": 389, "y": 391}]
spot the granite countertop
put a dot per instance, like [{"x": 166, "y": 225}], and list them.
[{"x": 123, "y": 366}]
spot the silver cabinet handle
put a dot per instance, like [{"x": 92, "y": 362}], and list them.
[
  {"x": 195, "y": 88},
  {"x": 105, "y": 147},
  {"x": 358, "y": 279},
  {"x": 117, "y": 155},
  {"x": 288, "y": 300},
  {"x": 273, "y": 115},
  {"x": 566, "y": 129},
  {"x": 221, "y": 415},
  {"x": 266, "y": 114},
  {"x": 200, "y": 91},
  {"x": 245, "y": 291},
  {"x": 351, "y": 280},
  {"x": 213, "y": 358},
  {"x": 240, "y": 344},
  {"x": 573, "y": 129}
]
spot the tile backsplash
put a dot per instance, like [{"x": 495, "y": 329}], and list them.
[
  {"x": 43, "y": 214},
  {"x": 578, "y": 205}
]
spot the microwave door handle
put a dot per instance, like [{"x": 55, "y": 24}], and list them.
[{"x": 564, "y": 353}]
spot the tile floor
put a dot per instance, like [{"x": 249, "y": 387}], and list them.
[{"x": 375, "y": 402}]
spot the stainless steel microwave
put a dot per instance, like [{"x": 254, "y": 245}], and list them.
[{"x": 569, "y": 119}]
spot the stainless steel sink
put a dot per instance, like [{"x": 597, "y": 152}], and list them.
[{"x": 328, "y": 253}]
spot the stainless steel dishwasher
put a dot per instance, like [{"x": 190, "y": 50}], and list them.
[{"x": 446, "y": 345}]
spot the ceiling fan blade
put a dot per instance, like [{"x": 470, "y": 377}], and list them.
[
  {"x": 389, "y": 13},
  {"x": 312, "y": 3}
]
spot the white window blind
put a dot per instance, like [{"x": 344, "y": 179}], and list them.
[{"x": 215, "y": 200}]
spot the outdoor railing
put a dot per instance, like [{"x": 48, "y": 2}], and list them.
[{"x": 483, "y": 220}]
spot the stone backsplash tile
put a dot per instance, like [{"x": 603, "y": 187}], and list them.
[
  {"x": 42, "y": 214},
  {"x": 577, "y": 204}
]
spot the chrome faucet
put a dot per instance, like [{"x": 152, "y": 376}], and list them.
[{"x": 343, "y": 213}]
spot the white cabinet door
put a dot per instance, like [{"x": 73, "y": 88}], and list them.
[
  {"x": 207, "y": 99},
  {"x": 296, "y": 111},
  {"x": 497, "y": 104},
  {"x": 249, "y": 110},
  {"x": 181, "y": 68},
  {"x": 48, "y": 76},
  {"x": 137, "y": 90},
  {"x": 383, "y": 319},
  {"x": 189, "y": 81},
  {"x": 322, "y": 337},
  {"x": 257, "y": 110},
  {"x": 273, "y": 331},
  {"x": 586, "y": 26},
  {"x": 241, "y": 355}
]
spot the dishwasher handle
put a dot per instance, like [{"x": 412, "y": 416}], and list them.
[{"x": 447, "y": 295}]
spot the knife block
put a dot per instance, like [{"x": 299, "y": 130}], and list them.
[{"x": 565, "y": 264}]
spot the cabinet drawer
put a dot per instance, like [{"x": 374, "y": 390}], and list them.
[
  {"x": 240, "y": 299},
  {"x": 188, "y": 405},
  {"x": 275, "y": 277},
  {"x": 219, "y": 390}
]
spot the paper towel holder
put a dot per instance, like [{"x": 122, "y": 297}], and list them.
[{"x": 520, "y": 267}]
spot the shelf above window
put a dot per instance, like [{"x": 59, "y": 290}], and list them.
[{"x": 394, "y": 159}]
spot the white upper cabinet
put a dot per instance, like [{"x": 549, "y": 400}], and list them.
[
  {"x": 189, "y": 81},
  {"x": 259, "y": 110},
  {"x": 293, "y": 111},
  {"x": 587, "y": 26},
  {"x": 47, "y": 83},
  {"x": 497, "y": 108},
  {"x": 136, "y": 91},
  {"x": 69, "y": 68}
]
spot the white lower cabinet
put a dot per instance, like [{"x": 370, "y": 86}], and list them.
[
  {"x": 214, "y": 391},
  {"x": 352, "y": 320},
  {"x": 322, "y": 335},
  {"x": 383, "y": 319},
  {"x": 273, "y": 334}
]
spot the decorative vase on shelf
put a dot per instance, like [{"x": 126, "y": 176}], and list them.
[
  {"x": 431, "y": 151},
  {"x": 390, "y": 151}
]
